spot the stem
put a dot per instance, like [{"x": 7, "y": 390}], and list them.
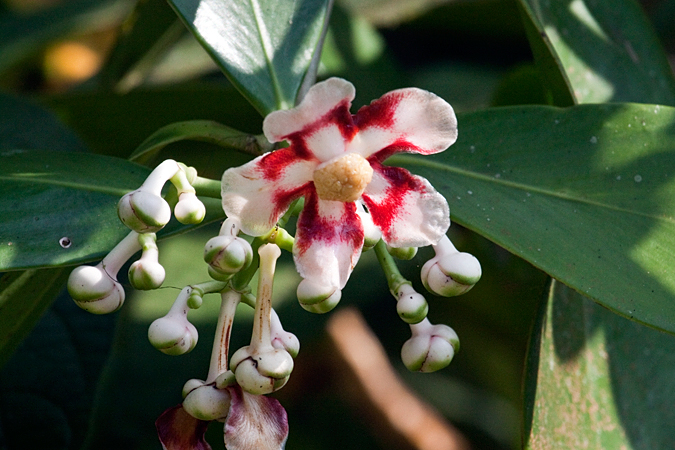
[
  {"x": 263, "y": 308},
  {"x": 444, "y": 246},
  {"x": 160, "y": 175},
  {"x": 206, "y": 187},
  {"x": 180, "y": 180},
  {"x": 221, "y": 342},
  {"x": 209, "y": 287},
  {"x": 125, "y": 249},
  {"x": 394, "y": 277},
  {"x": 241, "y": 280}
]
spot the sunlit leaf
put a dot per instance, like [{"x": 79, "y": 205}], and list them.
[
  {"x": 585, "y": 194},
  {"x": 603, "y": 50},
  {"x": 265, "y": 47},
  {"x": 596, "y": 380}
]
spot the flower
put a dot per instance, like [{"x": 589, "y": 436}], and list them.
[{"x": 335, "y": 162}]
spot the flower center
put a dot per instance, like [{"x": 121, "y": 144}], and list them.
[{"x": 343, "y": 179}]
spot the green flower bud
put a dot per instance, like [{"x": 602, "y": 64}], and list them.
[
  {"x": 318, "y": 299},
  {"x": 207, "y": 403},
  {"x": 411, "y": 306},
  {"x": 227, "y": 255},
  {"x": 189, "y": 209},
  {"x": 143, "y": 211},
  {"x": 451, "y": 274},
  {"x": 94, "y": 290},
  {"x": 173, "y": 335}
]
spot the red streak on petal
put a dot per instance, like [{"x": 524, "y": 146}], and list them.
[
  {"x": 313, "y": 227},
  {"x": 273, "y": 164},
  {"x": 401, "y": 182},
  {"x": 283, "y": 199},
  {"x": 399, "y": 146},
  {"x": 339, "y": 116},
  {"x": 380, "y": 112}
]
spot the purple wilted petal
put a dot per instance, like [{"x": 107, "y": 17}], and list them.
[{"x": 255, "y": 422}]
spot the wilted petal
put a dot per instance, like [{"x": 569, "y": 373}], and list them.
[
  {"x": 255, "y": 422},
  {"x": 405, "y": 207},
  {"x": 405, "y": 120},
  {"x": 178, "y": 430},
  {"x": 328, "y": 241},
  {"x": 260, "y": 191}
]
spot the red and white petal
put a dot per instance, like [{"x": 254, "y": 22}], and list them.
[
  {"x": 321, "y": 99},
  {"x": 405, "y": 120},
  {"x": 178, "y": 430},
  {"x": 255, "y": 422},
  {"x": 260, "y": 191},
  {"x": 328, "y": 241},
  {"x": 406, "y": 207}
]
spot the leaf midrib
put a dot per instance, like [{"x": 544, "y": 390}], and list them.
[
  {"x": 119, "y": 192},
  {"x": 408, "y": 159}
]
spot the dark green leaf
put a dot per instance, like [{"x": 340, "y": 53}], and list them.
[
  {"x": 585, "y": 194},
  {"x": 24, "y": 297},
  {"x": 596, "y": 380},
  {"x": 48, "y": 196},
  {"x": 265, "y": 47},
  {"x": 604, "y": 51}
]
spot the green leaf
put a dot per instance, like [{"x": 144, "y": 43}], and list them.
[
  {"x": 265, "y": 47},
  {"x": 200, "y": 130},
  {"x": 596, "y": 380},
  {"x": 603, "y": 50},
  {"x": 586, "y": 194},
  {"x": 24, "y": 297},
  {"x": 47, "y": 196}
]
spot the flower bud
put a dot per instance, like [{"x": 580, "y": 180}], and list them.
[
  {"x": 146, "y": 274},
  {"x": 451, "y": 274},
  {"x": 143, "y": 211},
  {"x": 207, "y": 403},
  {"x": 411, "y": 306},
  {"x": 318, "y": 299},
  {"x": 281, "y": 339},
  {"x": 261, "y": 371},
  {"x": 430, "y": 348},
  {"x": 227, "y": 255},
  {"x": 189, "y": 209},
  {"x": 94, "y": 290},
  {"x": 403, "y": 253},
  {"x": 190, "y": 385},
  {"x": 173, "y": 335}
]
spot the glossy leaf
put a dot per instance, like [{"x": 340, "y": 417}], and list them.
[
  {"x": 603, "y": 50},
  {"x": 200, "y": 130},
  {"x": 60, "y": 208},
  {"x": 596, "y": 380},
  {"x": 586, "y": 194},
  {"x": 265, "y": 47}
]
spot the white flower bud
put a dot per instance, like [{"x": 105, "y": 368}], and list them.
[
  {"x": 173, "y": 335},
  {"x": 143, "y": 211},
  {"x": 282, "y": 339},
  {"x": 318, "y": 299},
  {"x": 190, "y": 385},
  {"x": 94, "y": 290},
  {"x": 261, "y": 371},
  {"x": 430, "y": 348},
  {"x": 403, "y": 253},
  {"x": 207, "y": 403},
  {"x": 227, "y": 255},
  {"x": 411, "y": 306},
  {"x": 146, "y": 274},
  {"x": 451, "y": 274},
  {"x": 189, "y": 209}
]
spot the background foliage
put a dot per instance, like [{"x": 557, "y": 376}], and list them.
[{"x": 563, "y": 169}]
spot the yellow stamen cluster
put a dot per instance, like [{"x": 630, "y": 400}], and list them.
[{"x": 343, "y": 179}]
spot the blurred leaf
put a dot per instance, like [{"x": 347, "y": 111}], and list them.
[
  {"x": 265, "y": 47},
  {"x": 145, "y": 36},
  {"x": 586, "y": 194},
  {"x": 47, "y": 388},
  {"x": 21, "y": 35},
  {"x": 24, "y": 297},
  {"x": 596, "y": 380},
  {"x": 605, "y": 51},
  {"x": 47, "y": 196},
  {"x": 116, "y": 124},
  {"x": 200, "y": 130}
]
